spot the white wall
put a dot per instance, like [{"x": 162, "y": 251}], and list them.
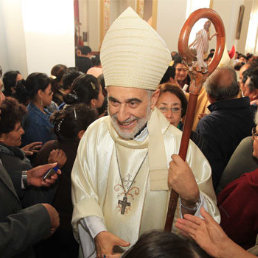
[
  {"x": 93, "y": 25},
  {"x": 83, "y": 17},
  {"x": 252, "y": 35},
  {"x": 36, "y": 35},
  {"x": 241, "y": 43},
  {"x": 228, "y": 11},
  {"x": 49, "y": 34},
  {"x": 13, "y": 52},
  {"x": 170, "y": 19},
  {"x": 3, "y": 45}
]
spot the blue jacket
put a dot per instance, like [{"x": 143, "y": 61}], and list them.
[
  {"x": 37, "y": 126},
  {"x": 229, "y": 122}
]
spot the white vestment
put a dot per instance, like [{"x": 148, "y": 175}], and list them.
[{"x": 103, "y": 159}]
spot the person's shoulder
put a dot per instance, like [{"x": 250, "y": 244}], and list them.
[
  {"x": 97, "y": 124},
  {"x": 206, "y": 121},
  {"x": 97, "y": 129},
  {"x": 252, "y": 178},
  {"x": 247, "y": 142}
]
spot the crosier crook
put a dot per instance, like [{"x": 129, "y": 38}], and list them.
[{"x": 197, "y": 79}]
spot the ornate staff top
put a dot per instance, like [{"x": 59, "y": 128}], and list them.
[{"x": 183, "y": 47}]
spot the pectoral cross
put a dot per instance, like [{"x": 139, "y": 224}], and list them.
[{"x": 124, "y": 203}]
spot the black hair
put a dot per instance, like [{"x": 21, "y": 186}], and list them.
[
  {"x": 68, "y": 78},
  {"x": 177, "y": 58},
  {"x": 21, "y": 93},
  {"x": 103, "y": 109},
  {"x": 173, "y": 89},
  {"x": 84, "y": 89},
  {"x": 36, "y": 82},
  {"x": 252, "y": 73},
  {"x": 96, "y": 60},
  {"x": 85, "y": 50},
  {"x": 101, "y": 81},
  {"x": 58, "y": 71},
  {"x": 169, "y": 73},
  {"x": 71, "y": 120},
  {"x": 188, "y": 79},
  {"x": 157, "y": 244},
  {"x": 9, "y": 80},
  {"x": 11, "y": 112}
]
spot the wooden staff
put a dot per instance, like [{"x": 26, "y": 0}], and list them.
[{"x": 197, "y": 79}]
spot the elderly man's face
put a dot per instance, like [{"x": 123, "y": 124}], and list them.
[{"x": 130, "y": 109}]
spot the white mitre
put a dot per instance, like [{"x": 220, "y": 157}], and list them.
[{"x": 133, "y": 54}]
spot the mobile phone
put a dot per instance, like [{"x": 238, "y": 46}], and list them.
[{"x": 50, "y": 172}]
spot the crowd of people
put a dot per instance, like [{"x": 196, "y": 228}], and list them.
[{"x": 117, "y": 163}]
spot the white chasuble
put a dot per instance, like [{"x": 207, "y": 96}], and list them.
[
  {"x": 134, "y": 174},
  {"x": 97, "y": 189}
]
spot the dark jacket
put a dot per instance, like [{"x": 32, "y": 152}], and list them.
[
  {"x": 19, "y": 228},
  {"x": 229, "y": 122},
  {"x": 14, "y": 161},
  {"x": 83, "y": 63},
  {"x": 62, "y": 243},
  {"x": 62, "y": 200}
]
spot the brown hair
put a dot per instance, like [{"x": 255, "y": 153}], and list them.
[
  {"x": 173, "y": 89},
  {"x": 11, "y": 112}
]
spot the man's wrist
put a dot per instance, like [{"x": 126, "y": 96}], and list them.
[
  {"x": 25, "y": 178},
  {"x": 191, "y": 205}
]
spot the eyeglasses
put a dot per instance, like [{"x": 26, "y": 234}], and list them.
[
  {"x": 173, "y": 109},
  {"x": 182, "y": 69},
  {"x": 254, "y": 134}
]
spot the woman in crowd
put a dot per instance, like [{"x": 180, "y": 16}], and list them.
[
  {"x": 69, "y": 126},
  {"x": 173, "y": 104},
  {"x": 10, "y": 79},
  {"x": 36, "y": 123},
  {"x": 86, "y": 89},
  {"x": 69, "y": 76},
  {"x": 13, "y": 158},
  {"x": 182, "y": 77},
  {"x": 57, "y": 73}
]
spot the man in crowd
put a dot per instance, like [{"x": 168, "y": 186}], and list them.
[
  {"x": 21, "y": 228},
  {"x": 122, "y": 173},
  {"x": 230, "y": 120},
  {"x": 250, "y": 84},
  {"x": 83, "y": 59}
]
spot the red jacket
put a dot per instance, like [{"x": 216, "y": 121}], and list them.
[{"x": 238, "y": 204}]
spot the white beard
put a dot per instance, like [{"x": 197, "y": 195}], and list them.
[{"x": 140, "y": 124}]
